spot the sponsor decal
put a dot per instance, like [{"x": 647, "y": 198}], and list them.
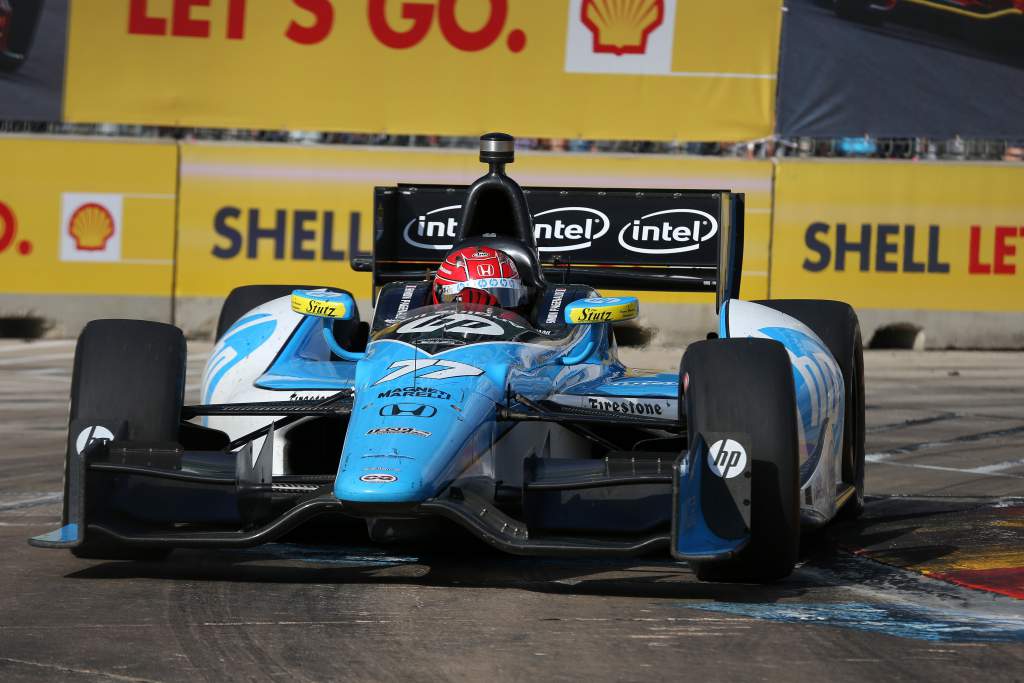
[
  {"x": 91, "y": 227},
  {"x": 284, "y": 234},
  {"x": 315, "y": 397},
  {"x": 620, "y": 36},
  {"x": 875, "y": 248},
  {"x": 433, "y": 230},
  {"x": 471, "y": 38},
  {"x": 379, "y": 478},
  {"x": 320, "y": 303},
  {"x": 416, "y": 392},
  {"x": 622, "y": 28},
  {"x": 603, "y": 310},
  {"x": 394, "y": 456},
  {"x": 566, "y": 228},
  {"x": 408, "y": 410},
  {"x": 406, "y": 300},
  {"x": 569, "y": 228},
  {"x": 727, "y": 458},
  {"x": 457, "y": 323},
  {"x": 647, "y": 407},
  {"x": 485, "y": 270},
  {"x": 672, "y": 231},
  {"x": 91, "y": 435},
  {"x": 556, "y": 306},
  {"x": 436, "y": 369},
  {"x": 8, "y": 231},
  {"x": 397, "y": 431}
]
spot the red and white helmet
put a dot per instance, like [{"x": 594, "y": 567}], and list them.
[{"x": 479, "y": 275}]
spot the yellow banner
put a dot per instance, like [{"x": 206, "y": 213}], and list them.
[
  {"x": 86, "y": 216},
  {"x": 643, "y": 69},
  {"x": 294, "y": 215},
  {"x": 900, "y": 235}
]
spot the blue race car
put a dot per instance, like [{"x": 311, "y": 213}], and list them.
[{"x": 519, "y": 427}]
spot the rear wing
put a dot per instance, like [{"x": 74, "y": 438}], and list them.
[{"x": 625, "y": 239}]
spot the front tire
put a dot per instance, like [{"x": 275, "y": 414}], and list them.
[
  {"x": 129, "y": 371},
  {"x": 745, "y": 387}
]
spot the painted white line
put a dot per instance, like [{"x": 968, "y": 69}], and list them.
[
  {"x": 883, "y": 459},
  {"x": 37, "y": 359},
  {"x": 73, "y": 670},
  {"x": 29, "y": 347},
  {"x": 32, "y": 502},
  {"x": 999, "y": 466}
]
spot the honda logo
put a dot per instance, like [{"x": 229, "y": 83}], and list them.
[{"x": 408, "y": 410}]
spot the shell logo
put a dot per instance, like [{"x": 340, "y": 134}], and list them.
[
  {"x": 621, "y": 27},
  {"x": 91, "y": 226}
]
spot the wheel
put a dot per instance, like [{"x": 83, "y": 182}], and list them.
[
  {"x": 857, "y": 10},
  {"x": 241, "y": 300},
  {"x": 837, "y": 325},
  {"x": 745, "y": 387},
  {"x": 131, "y": 370}
]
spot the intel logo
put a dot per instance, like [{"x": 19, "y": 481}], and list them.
[
  {"x": 672, "y": 231},
  {"x": 435, "y": 229},
  {"x": 569, "y": 228}
]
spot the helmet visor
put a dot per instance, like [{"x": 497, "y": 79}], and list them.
[{"x": 508, "y": 291}]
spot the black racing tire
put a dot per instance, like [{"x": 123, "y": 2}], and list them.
[
  {"x": 133, "y": 370},
  {"x": 745, "y": 386},
  {"x": 857, "y": 10},
  {"x": 243, "y": 299},
  {"x": 24, "y": 21},
  {"x": 837, "y": 325}
]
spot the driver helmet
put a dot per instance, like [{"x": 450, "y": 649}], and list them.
[{"x": 479, "y": 275}]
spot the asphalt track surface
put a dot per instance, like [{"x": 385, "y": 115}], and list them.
[{"x": 881, "y": 599}]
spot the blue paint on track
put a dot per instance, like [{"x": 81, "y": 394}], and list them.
[{"x": 917, "y": 623}]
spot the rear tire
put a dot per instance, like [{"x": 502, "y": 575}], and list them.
[
  {"x": 131, "y": 371},
  {"x": 837, "y": 325},
  {"x": 745, "y": 386}
]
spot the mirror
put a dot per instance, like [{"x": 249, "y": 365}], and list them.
[
  {"x": 602, "y": 310},
  {"x": 323, "y": 303}
]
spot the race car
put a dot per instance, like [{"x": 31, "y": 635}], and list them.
[
  {"x": 998, "y": 22},
  {"x": 518, "y": 427},
  {"x": 18, "y": 21}
]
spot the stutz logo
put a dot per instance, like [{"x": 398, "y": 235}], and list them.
[
  {"x": 621, "y": 27},
  {"x": 672, "y": 231}
]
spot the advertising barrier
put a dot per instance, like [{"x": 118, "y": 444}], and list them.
[
  {"x": 894, "y": 235},
  {"x": 82, "y": 217},
  {"x": 287, "y": 214},
  {"x": 644, "y": 69}
]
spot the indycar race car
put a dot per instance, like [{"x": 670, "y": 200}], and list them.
[
  {"x": 985, "y": 21},
  {"x": 18, "y": 21},
  {"x": 519, "y": 427}
]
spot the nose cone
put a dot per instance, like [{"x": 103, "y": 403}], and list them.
[{"x": 407, "y": 443}]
